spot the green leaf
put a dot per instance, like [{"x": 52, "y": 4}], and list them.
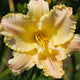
[{"x": 5, "y": 72}]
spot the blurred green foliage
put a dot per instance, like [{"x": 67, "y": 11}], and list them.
[{"x": 71, "y": 65}]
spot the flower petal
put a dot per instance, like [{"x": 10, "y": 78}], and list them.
[
  {"x": 19, "y": 30},
  {"x": 60, "y": 53},
  {"x": 51, "y": 61},
  {"x": 52, "y": 67},
  {"x": 74, "y": 44},
  {"x": 37, "y": 8},
  {"x": 58, "y": 24},
  {"x": 21, "y": 62}
]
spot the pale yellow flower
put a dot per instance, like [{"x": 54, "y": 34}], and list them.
[{"x": 41, "y": 37}]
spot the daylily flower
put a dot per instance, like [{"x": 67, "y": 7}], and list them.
[{"x": 41, "y": 37}]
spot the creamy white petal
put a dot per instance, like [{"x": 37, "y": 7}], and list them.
[
  {"x": 74, "y": 44},
  {"x": 58, "y": 24},
  {"x": 59, "y": 53},
  {"x": 21, "y": 62},
  {"x": 19, "y": 31},
  {"x": 50, "y": 61},
  {"x": 37, "y": 8},
  {"x": 52, "y": 67}
]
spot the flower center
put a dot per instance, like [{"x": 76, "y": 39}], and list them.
[{"x": 41, "y": 40}]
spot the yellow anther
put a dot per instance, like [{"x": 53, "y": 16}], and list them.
[{"x": 41, "y": 40}]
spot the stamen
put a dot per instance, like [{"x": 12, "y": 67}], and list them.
[{"x": 41, "y": 40}]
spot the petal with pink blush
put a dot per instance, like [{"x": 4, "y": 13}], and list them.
[
  {"x": 74, "y": 44},
  {"x": 20, "y": 62}
]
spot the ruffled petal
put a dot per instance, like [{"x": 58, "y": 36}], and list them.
[
  {"x": 59, "y": 24},
  {"x": 74, "y": 44},
  {"x": 21, "y": 62},
  {"x": 19, "y": 32},
  {"x": 18, "y": 45},
  {"x": 53, "y": 68},
  {"x": 59, "y": 53},
  {"x": 51, "y": 61},
  {"x": 37, "y": 8}
]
